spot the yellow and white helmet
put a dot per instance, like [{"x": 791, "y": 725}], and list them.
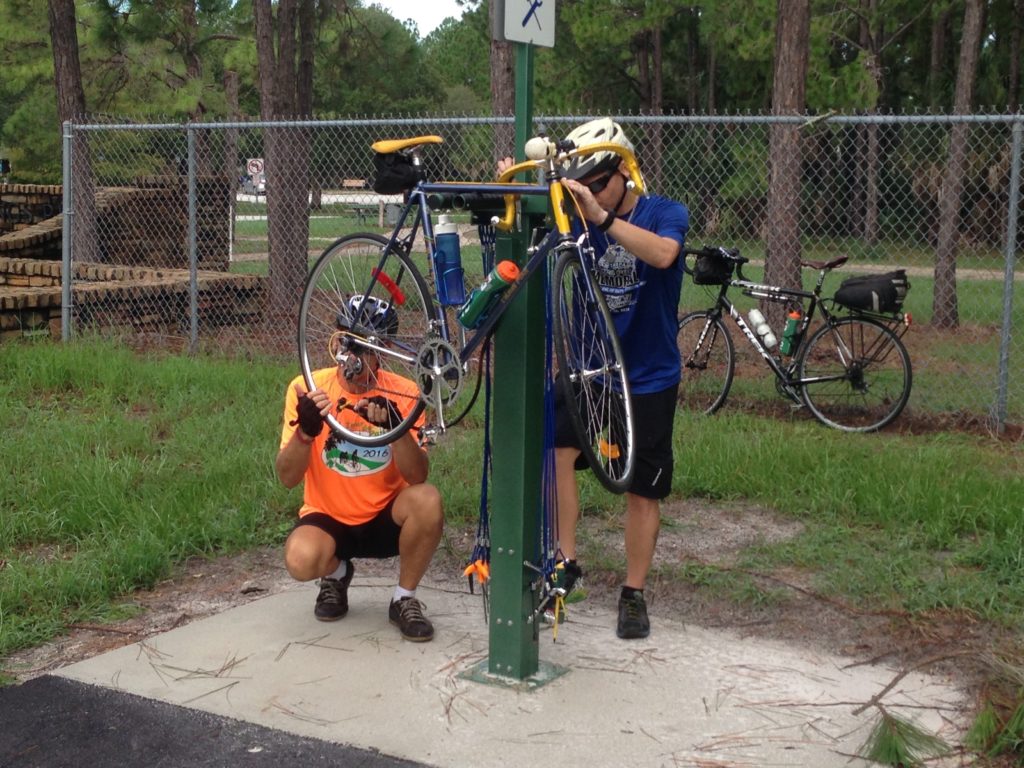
[{"x": 595, "y": 132}]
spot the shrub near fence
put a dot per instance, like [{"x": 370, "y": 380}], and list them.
[{"x": 870, "y": 189}]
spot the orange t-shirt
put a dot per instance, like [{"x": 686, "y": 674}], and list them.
[{"x": 349, "y": 482}]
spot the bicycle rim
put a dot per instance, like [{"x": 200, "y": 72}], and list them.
[
  {"x": 860, "y": 372},
  {"x": 593, "y": 375},
  {"x": 707, "y": 357},
  {"x": 352, "y": 266}
]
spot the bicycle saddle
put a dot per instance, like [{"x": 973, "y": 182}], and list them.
[
  {"x": 387, "y": 146},
  {"x": 825, "y": 264}
]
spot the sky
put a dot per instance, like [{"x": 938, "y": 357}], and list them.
[{"x": 427, "y": 14}]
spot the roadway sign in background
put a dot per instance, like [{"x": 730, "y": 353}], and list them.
[
  {"x": 526, "y": 21},
  {"x": 254, "y": 166}
]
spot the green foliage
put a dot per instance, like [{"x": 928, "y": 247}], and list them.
[{"x": 901, "y": 744}]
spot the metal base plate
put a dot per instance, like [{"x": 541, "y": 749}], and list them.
[{"x": 546, "y": 672}]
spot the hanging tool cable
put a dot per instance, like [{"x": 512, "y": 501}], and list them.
[
  {"x": 479, "y": 566},
  {"x": 549, "y": 498}
]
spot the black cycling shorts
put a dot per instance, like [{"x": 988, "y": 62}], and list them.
[
  {"x": 376, "y": 538},
  {"x": 653, "y": 417}
]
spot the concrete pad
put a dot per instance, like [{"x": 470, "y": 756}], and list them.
[{"x": 686, "y": 696}]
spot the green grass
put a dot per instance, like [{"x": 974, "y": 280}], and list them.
[
  {"x": 918, "y": 523},
  {"x": 114, "y": 472}
]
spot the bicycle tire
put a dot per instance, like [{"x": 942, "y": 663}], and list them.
[
  {"x": 865, "y": 374},
  {"x": 708, "y": 360},
  {"x": 347, "y": 268},
  {"x": 592, "y": 374}
]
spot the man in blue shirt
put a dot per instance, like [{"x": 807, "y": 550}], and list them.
[{"x": 638, "y": 241}]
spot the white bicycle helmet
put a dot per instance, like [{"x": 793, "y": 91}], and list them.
[
  {"x": 596, "y": 131},
  {"x": 369, "y": 313}
]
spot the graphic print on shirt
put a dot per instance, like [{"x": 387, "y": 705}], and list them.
[
  {"x": 351, "y": 460},
  {"x": 616, "y": 274}
]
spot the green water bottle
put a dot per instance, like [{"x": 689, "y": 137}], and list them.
[
  {"x": 789, "y": 333},
  {"x": 480, "y": 301}
]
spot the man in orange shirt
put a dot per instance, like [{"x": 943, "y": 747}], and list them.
[{"x": 358, "y": 501}]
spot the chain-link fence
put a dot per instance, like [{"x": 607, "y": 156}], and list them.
[{"x": 186, "y": 233}]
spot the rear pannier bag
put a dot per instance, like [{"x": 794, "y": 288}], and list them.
[
  {"x": 711, "y": 270},
  {"x": 874, "y": 293},
  {"x": 394, "y": 173}
]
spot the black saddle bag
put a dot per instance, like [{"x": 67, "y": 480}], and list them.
[
  {"x": 874, "y": 293},
  {"x": 394, "y": 173}
]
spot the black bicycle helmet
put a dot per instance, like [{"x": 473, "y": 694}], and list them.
[
  {"x": 368, "y": 314},
  {"x": 596, "y": 131}
]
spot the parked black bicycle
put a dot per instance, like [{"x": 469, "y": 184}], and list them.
[{"x": 842, "y": 357}]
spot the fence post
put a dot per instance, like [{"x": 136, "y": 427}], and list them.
[
  {"x": 193, "y": 277},
  {"x": 66, "y": 229},
  {"x": 1002, "y": 391}
]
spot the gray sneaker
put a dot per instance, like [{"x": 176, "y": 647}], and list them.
[
  {"x": 407, "y": 615},
  {"x": 332, "y": 602}
]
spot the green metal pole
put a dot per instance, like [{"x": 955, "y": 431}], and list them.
[{"x": 518, "y": 433}]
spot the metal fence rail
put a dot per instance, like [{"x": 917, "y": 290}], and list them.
[{"x": 167, "y": 231}]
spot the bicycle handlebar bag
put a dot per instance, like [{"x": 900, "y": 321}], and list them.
[
  {"x": 711, "y": 270},
  {"x": 394, "y": 173},
  {"x": 874, "y": 293}
]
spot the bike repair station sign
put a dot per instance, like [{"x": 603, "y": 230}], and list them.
[{"x": 526, "y": 21}]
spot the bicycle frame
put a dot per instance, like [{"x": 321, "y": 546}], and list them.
[
  {"x": 810, "y": 300},
  {"x": 544, "y": 155}
]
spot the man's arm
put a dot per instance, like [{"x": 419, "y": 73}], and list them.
[
  {"x": 293, "y": 458},
  {"x": 412, "y": 461},
  {"x": 658, "y": 251}
]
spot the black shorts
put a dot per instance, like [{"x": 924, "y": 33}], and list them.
[
  {"x": 653, "y": 417},
  {"x": 376, "y": 538}
]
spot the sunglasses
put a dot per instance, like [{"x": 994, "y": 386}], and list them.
[{"x": 597, "y": 185}]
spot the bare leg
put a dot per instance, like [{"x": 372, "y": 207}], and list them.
[
  {"x": 643, "y": 518},
  {"x": 417, "y": 510},
  {"x": 568, "y": 497},
  {"x": 309, "y": 553}
]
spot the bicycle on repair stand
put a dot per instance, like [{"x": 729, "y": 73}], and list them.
[
  {"x": 849, "y": 368},
  {"x": 368, "y": 292}
]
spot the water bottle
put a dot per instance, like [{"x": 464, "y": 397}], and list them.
[
  {"x": 451, "y": 288},
  {"x": 480, "y": 301},
  {"x": 789, "y": 333},
  {"x": 761, "y": 328}
]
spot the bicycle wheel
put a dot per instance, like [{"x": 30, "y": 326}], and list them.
[
  {"x": 592, "y": 374},
  {"x": 708, "y": 359},
  {"x": 350, "y": 267},
  {"x": 855, "y": 374}
]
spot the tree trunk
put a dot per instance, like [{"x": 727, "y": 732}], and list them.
[
  {"x": 503, "y": 91},
  {"x": 655, "y": 160},
  {"x": 1013, "y": 94},
  {"x": 782, "y": 252},
  {"x": 67, "y": 74},
  {"x": 938, "y": 58},
  {"x": 945, "y": 313},
  {"x": 229, "y": 163},
  {"x": 285, "y": 76}
]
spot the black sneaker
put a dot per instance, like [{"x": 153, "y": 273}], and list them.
[
  {"x": 332, "y": 602},
  {"x": 633, "y": 621},
  {"x": 568, "y": 579},
  {"x": 407, "y": 615}
]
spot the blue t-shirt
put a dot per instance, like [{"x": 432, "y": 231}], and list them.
[{"x": 644, "y": 300}]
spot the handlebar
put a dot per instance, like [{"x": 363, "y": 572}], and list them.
[
  {"x": 729, "y": 254},
  {"x": 550, "y": 155}
]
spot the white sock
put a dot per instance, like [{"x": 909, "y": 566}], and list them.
[
  {"x": 400, "y": 593},
  {"x": 340, "y": 572}
]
